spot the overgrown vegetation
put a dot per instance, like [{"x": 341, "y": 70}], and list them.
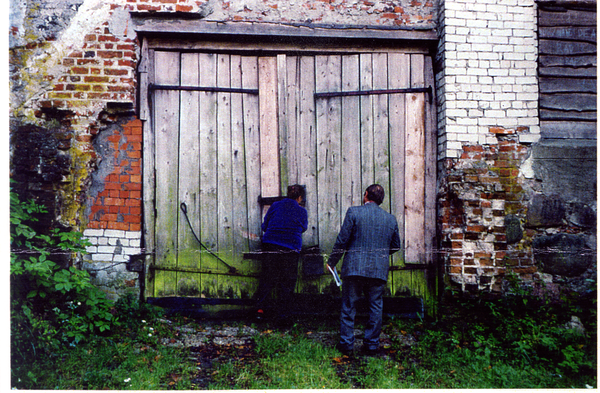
[{"x": 51, "y": 305}]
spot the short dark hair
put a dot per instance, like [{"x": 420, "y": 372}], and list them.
[
  {"x": 295, "y": 191},
  {"x": 375, "y": 193}
]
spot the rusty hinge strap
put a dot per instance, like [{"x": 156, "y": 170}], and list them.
[
  {"x": 153, "y": 87},
  {"x": 428, "y": 90}
]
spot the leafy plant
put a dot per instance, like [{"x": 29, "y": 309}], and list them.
[{"x": 51, "y": 305}]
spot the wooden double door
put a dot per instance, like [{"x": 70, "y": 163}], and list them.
[{"x": 225, "y": 128}]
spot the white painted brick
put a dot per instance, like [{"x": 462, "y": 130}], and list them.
[
  {"x": 131, "y": 250},
  {"x": 93, "y": 232},
  {"x": 102, "y": 257},
  {"x": 113, "y": 241},
  {"x": 498, "y": 72},
  {"x": 497, "y": 9},
  {"x": 114, "y": 233},
  {"x": 106, "y": 249},
  {"x": 135, "y": 243},
  {"x": 133, "y": 234},
  {"x": 454, "y": 145},
  {"x": 91, "y": 249},
  {"x": 120, "y": 258},
  {"x": 93, "y": 240},
  {"x": 102, "y": 241}
]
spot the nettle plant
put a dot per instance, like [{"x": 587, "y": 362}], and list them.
[{"x": 50, "y": 304}]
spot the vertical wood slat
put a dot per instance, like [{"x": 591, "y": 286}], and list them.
[
  {"x": 366, "y": 120},
  {"x": 381, "y": 157},
  {"x": 208, "y": 165},
  {"x": 148, "y": 169},
  {"x": 351, "y": 186},
  {"x": 415, "y": 165},
  {"x": 307, "y": 163},
  {"x": 189, "y": 181},
  {"x": 224, "y": 162},
  {"x": 166, "y": 142},
  {"x": 250, "y": 106},
  {"x": 239, "y": 197},
  {"x": 328, "y": 111},
  {"x": 430, "y": 166},
  {"x": 269, "y": 143},
  {"x": 282, "y": 123},
  {"x": 399, "y": 78}
]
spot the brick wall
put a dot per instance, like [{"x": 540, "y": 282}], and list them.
[
  {"x": 489, "y": 79},
  {"x": 487, "y": 119}
]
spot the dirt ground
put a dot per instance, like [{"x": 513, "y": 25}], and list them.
[{"x": 211, "y": 342}]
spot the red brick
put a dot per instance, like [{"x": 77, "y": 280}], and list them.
[
  {"x": 455, "y": 270},
  {"x": 96, "y": 79},
  {"x": 109, "y": 54},
  {"x": 124, "y": 178},
  {"x": 114, "y": 194},
  {"x": 135, "y": 227},
  {"x": 79, "y": 70},
  {"x": 134, "y": 154},
  {"x": 135, "y": 211}
]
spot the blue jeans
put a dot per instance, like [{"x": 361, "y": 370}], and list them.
[{"x": 352, "y": 289}]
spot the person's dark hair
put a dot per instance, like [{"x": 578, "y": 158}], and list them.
[
  {"x": 375, "y": 193},
  {"x": 294, "y": 191}
]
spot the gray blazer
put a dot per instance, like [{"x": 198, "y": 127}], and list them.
[{"x": 369, "y": 235}]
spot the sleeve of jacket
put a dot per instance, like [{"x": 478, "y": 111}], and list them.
[
  {"x": 343, "y": 239},
  {"x": 396, "y": 243}
]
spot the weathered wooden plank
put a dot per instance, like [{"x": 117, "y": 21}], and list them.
[
  {"x": 568, "y": 129},
  {"x": 351, "y": 186},
  {"x": 571, "y": 102},
  {"x": 568, "y": 61},
  {"x": 415, "y": 166},
  {"x": 573, "y": 33},
  {"x": 269, "y": 141},
  {"x": 188, "y": 179},
  {"x": 399, "y": 78},
  {"x": 366, "y": 121},
  {"x": 573, "y": 48},
  {"x": 566, "y": 19},
  {"x": 567, "y": 85},
  {"x": 308, "y": 146},
  {"x": 568, "y": 72},
  {"x": 381, "y": 150},
  {"x": 323, "y": 35},
  {"x": 149, "y": 177},
  {"x": 238, "y": 156},
  {"x": 546, "y": 114},
  {"x": 430, "y": 165},
  {"x": 282, "y": 122},
  {"x": 252, "y": 147},
  {"x": 224, "y": 160},
  {"x": 208, "y": 164},
  {"x": 167, "y": 149},
  {"x": 289, "y": 118},
  {"x": 328, "y": 78}
]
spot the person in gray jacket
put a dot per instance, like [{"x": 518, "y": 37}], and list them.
[{"x": 369, "y": 235}]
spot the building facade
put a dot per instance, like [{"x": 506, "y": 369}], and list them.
[{"x": 479, "y": 117}]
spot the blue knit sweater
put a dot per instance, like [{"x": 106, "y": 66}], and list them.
[{"x": 284, "y": 224}]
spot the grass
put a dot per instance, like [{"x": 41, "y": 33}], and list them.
[{"x": 474, "y": 344}]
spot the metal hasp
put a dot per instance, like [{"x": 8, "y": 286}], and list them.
[
  {"x": 428, "y": 90},
  {"x": 152, "y": 87}
]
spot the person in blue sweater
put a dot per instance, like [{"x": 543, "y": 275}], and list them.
[{"x": 283, "y": 226}]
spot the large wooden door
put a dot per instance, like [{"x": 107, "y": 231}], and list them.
[{"x": 227, "y": 128}]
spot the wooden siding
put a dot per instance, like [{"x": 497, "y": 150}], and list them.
[
  {"x": 219, "y": 147},
  {"x": 567, "y": 70}
]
